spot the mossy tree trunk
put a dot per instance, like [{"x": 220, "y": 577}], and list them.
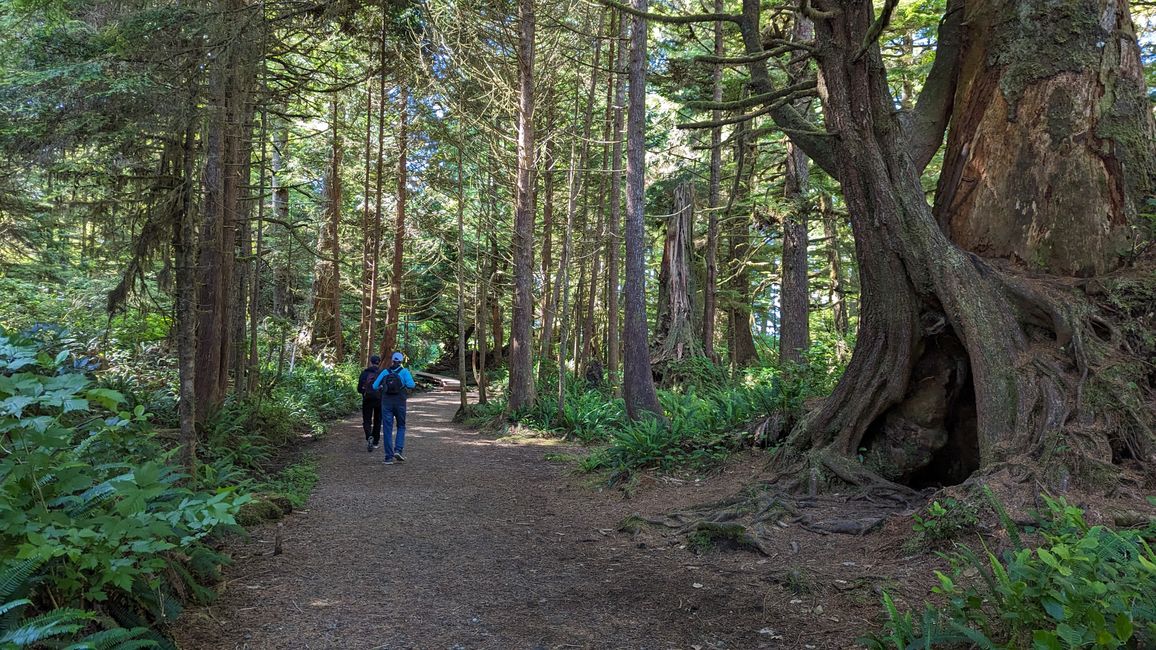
[
  {"x": 962, "y": 363},
  {"x": 638, "y": 380},
  {"x": 795, "y": 297},
  {"x": 1051, "y": 149},
  {"x": 675, "y": 338},
  {"x": 326, "y": 316},
  {"x": 522, "y": 388}
]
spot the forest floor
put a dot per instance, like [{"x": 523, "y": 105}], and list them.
[{"x": 479, "y": 543}]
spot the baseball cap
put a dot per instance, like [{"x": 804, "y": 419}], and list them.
[{"x": 397, "y": 356}]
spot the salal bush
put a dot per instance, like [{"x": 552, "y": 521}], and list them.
[
  {"x": 1078, "y": 586},
  {"x": 89, "y": 493}
]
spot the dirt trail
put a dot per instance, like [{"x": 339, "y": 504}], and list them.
[{"x": 476, "y": 543}]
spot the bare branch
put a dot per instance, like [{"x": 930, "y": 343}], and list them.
[
  {"x": 804, "y": 87},
  {"x": 672, "y": 20},
  {"x": 754, "y": 58},
  {"x": 768, "y": 108}
]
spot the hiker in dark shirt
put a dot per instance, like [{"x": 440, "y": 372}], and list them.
[
  {"x": 370, "y": 403},
  {"x": 393, "y": 384}
]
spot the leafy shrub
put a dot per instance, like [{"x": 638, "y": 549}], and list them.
[
  {"x": 86, "y": 489},
  {"x": 944, "y": 521},
  {"x": 295, "y": 482},
  {"x": 22, "y": 627},
  {"x": 1083, "y": 587}
]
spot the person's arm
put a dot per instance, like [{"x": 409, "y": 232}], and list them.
[
  {"x": 407, "y": 378},
  {"x": 377, "y": 382},
  {"x": 361, "y": 383}
]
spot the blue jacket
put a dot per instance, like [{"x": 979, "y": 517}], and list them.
[{"x": 402, "y": 373}]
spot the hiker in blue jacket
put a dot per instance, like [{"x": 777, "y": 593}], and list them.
[{"x": 393, "y": 384}]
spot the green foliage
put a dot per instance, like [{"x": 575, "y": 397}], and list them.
[
  {"x": 22, "y": 627},
  {"x": 86, "y": 488},
  {"x": 295, "y": 482},
  {"x": 315, "y": 392},
  {"x": 944, "y": 521},
  {"x": 1082, "y": 587},
  {"x": 709, "y": 413}
]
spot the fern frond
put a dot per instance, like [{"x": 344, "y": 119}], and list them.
[
  {"x": 46, "y": 626},
  {"x": 15, "y": 579}
]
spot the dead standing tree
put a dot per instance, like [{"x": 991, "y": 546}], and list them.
[{"x": 675, "y": 338}]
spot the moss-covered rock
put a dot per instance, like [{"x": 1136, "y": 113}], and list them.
[{"x": 258, "y": 511}]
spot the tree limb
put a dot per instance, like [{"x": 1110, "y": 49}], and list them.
[
  {"x": 801, "y": 131},
  {"x": 877, "y": 27},
  {"x": 671, "y": 20},
  {"x": 927, "y": 123},
  {"x": 755, "y": 100},
  {"x": 754, "y": 58}
]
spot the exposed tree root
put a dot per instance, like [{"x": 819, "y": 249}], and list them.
[{"x": 745, "y": 520}]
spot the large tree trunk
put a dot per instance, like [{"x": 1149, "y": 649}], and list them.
[
  {"x": 184, "y": 247},
  {"x": 961, "y": 363},
  {"x": 794, "y": 299},
  {"x": 368, "y": 254},
  {"x": 1050, "y": 152},
  {"x": 326, "y": 317},
  {"x": 674, "y": 333},
  {"x": 739, "y": 338},
  {"x": 710, "y": 291},
  {"x": 613, "y": 338},
  {"x": 228, "y": 101},
  {"x": 639, "y": 391},
  {"x": 521, "y": 344},
  {"x": 389, "y": 341},
  {"x": 835, "y": 292},
  {"x": 549, "y": 306}
]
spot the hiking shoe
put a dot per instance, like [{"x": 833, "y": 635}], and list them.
[
  {"x": 369, "y": 446},
  {"x": 399, "y": 458},
  {"x": 388, "y": 461}
]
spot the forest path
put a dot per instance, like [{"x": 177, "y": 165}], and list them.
[{"x": 478, "y": 543}]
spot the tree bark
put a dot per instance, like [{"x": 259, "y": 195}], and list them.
[
  {"x": 740, "y": 340},
  {"x": 389, "y": 341},
  {"x": 522, "y": 389},
  {"x": 1050, "y": 152},
  {"x": 368, "y": 254},
  {"x": 960, "y": 364},
  {"x": 326, "y": 317},
  {"x": 184, "y": 247},
  {"x": 674, "y": 332},
  {"x": 227, "y": 146},
  {"x": 794, "y": 331},
  {"x": 836, "y": 296},
  {"x": 253, "y": 366},
  {"x": 482, "y": 312},
  {"x": 549, "y": 305},
  {"x": 639, "y": 391},
  {"x": 710, "y": 291},
  {"x": 460, "y": 268},
  {"x": 613, "y": 336}
]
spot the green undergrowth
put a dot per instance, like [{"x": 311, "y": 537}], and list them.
[
  {"x": 1063, "y": 584},
  {"x": 295, "y": 482},
  {"x": 101, "y": 531},
  {"x": 709, "y": 412}
]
